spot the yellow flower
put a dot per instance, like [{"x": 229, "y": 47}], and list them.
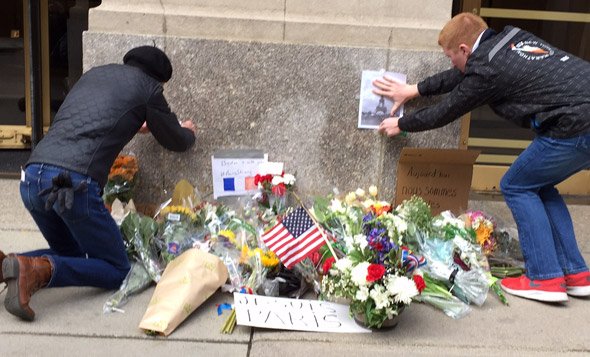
[
  {"x": 245, "y": 254},
  {"x": 267, "y": 258},
  {"x": 229, "y": 235},
  {"x": 483, "y": 233},
  {"x": 179, "y": 210},
  {"x": 350, "y": 198},
  {"x": 360, "y": 192}
]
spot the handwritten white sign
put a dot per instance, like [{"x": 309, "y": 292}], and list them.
[
  {"x": 294, "y": 314},
  {"x": 234, "y": 176}
]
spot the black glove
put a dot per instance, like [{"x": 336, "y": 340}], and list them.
[{"x": 61, "y": 191}]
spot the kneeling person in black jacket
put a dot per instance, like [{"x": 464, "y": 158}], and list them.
[{"x": 101, "y": 114}]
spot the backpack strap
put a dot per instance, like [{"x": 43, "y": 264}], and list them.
[{"x": 502, "y": 43}]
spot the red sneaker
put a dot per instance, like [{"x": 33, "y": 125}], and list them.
[
  {"x": 551, "y": 290},
  {"x": 578, "y": 284}
]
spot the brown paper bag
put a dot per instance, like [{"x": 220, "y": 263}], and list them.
[{"x": 187, "y": 282}]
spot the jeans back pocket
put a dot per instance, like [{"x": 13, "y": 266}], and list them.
[{"x": 80, "y": 206}]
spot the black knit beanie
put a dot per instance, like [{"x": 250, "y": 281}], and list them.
[{"x": 151, "y": 60}]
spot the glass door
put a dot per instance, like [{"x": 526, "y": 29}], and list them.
[{"x": 13, "y": 73}]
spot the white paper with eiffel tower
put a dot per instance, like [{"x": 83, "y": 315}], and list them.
[{"x": 374, "y": 108}]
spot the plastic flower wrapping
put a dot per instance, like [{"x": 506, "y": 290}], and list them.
[
  {"x": 375, "y": 275},
  {"x": 152, "y": 243},
  {"x": 457, "y": 273}
]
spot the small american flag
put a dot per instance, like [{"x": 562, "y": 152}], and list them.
[{"x": 294, "y": 239}]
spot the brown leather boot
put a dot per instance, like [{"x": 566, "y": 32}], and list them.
[
  {"x": 28, "y": 275},
  {"x": 2, "y": 256}
]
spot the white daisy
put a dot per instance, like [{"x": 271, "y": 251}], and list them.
[{"x": 402, "y": 289}]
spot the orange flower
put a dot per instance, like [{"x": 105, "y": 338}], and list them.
[
  {"x": 380, "y": 207},
  {"x": 124, "y": 168}
]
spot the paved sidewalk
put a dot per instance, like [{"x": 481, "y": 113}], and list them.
[{"x": 70, "y": 321}]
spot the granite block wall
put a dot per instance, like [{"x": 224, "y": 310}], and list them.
[{"x": 299, "y": 103}]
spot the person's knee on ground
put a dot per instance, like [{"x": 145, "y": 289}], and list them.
[{"x": 25, "y": 276}]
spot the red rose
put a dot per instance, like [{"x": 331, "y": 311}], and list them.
[
  {"x": 315, "y": 258},
  {"x": 328, "y": 265},
  {"x": 375, "y": 272},
  {"x": 279, "y": 190},
  {"x": 257, "y": 179},
  {"x": 419, "y": 281}
]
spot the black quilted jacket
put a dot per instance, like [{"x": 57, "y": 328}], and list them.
[
  {"x": 101, "y": 114},
  {"x": 522, "y": 78}
]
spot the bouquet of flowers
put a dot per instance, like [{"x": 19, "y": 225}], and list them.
[
  {"x": 247, "y": 264},
  {"x": 454, "y": 257},
  {"x": 121, "y": 179},
  {"x": 502, "y": 251},
  {"x": 178, "y": 231},
  {"x": 274, "y": 190},
  {"x": 139, "y": 238},
  {"x": 433, "y": 238},
  {"x": 376, "y": 274},
  {"x": 483, "y": 226},
  {"x": 344, "y": 217}
]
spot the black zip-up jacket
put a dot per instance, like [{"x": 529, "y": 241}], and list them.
[
  {"x": 101, "y": 114},
  {"x": 522, "y": 78}
]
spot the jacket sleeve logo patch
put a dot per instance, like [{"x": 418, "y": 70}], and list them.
[{"x": 532, "y": 50}]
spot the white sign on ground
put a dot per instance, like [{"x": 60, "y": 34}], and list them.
[{"x": 294, "y": 314}]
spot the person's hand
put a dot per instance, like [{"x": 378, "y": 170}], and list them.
[
  {"x": 144, "y": 129},
  {"x": 390, "y": 127},
  {"x": 398, "y": 92},
  {"x": 189, "y": 125}
]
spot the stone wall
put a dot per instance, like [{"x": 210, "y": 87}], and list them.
[{"x": 295, "y": 99}]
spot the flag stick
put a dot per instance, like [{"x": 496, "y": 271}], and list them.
[{"x": 317, "y": 225}]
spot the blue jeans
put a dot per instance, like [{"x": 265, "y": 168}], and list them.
[
  {"x": 545, "y": 228},
  {"x": 85, "y": 245}
]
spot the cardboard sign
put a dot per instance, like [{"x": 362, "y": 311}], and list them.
[
  {"x": 442, "y": 177},
  {"x": 233, "y": 172},
  {"x": 293, "y": 314}
]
